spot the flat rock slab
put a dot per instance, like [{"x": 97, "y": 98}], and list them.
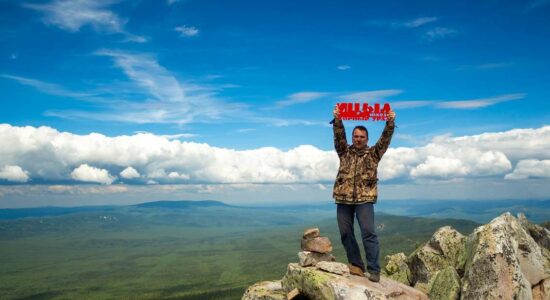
[
  {"x": 333, "y": 267},
  {"x": 308, "y": 258},
  {"x": 265, "y": 290},
  {"x": 318, "y": 285}
]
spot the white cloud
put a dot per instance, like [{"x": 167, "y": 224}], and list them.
[
  {"x": 50, "y": 155},
  {"x": 301, "y": 97},
  {"x": 370, "y": 95},
  {"x": 459, "y": 104},
  {"x": 409, "y": 24},
  {"x": 73, "y": 15},
  {"x": 165, "y": 98},
  {"x": 477, "y": 103},
  {"x": 86, "y": 173},
  {"x": 45, "y": 87},
  {"x": 530, "y": 168},
  {"x": 439, "y": 33},
  {"x": 129, "y": 173},
  {"x": 419, "y": 22},
  {"x": 187, "y": 31},
  {"x": 343, "y": 67},
  {"x": 14, "y": 174}
]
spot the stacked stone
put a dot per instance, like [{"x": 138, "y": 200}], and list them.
[{"x": 315, "y": 248}]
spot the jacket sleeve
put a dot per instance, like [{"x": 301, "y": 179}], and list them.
[
  {"x": 340, "y": 142},
  {"x": 384, "y": 140}
]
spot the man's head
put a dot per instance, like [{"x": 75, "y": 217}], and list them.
[{"x": 360, "y": 137}]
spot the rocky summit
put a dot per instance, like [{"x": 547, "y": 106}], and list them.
[{"x": 508, "y": 258}]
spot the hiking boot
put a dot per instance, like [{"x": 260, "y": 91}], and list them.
[
  {"x": 374, "y": 277},
  {"x": 355, "y": 270}
]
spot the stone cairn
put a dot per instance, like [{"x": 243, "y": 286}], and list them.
[{"x": 315, "y": 248}]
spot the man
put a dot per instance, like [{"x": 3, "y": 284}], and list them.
[{"x": 355, "y": 191}]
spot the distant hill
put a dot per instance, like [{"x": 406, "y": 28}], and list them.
[
  {"x": 182, "y": 204},
  {"x": 16, "y": 213}
]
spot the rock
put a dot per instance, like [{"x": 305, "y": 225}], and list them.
[
  {"x": 308, "y": 258},
  {"x": 503, "y": 261},
  {"x": 397, "y": 269},
  {"x": 311, "y": 233},
  {"x": 265, "y": 290},
  {"x": 333, "y": 267},
  {"x": 540, "y": 234},
  {"x": 445, "y": 249},
  {"x": 445, "y": 285},
  {"x": 292, "y": 294},
  {"x": 318, "y": 244},
  {"x": 541, "y": 291},
  {"x": 451, "y": 244},
  {"x": 318, "y": 285}
]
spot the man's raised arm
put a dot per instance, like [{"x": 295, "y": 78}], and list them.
[
  {"x": 340, "y": 142},
  {"x": 385, "y": 139}
]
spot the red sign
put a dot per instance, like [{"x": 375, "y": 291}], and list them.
[{"x": 363, "y": 111}]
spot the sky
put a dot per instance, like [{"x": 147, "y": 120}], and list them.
[{"x": 120, "y": 102}]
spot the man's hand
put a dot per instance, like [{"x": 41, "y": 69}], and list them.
[
  {"x": 391, "y": 116},
  {"x": 336, "y": 112}
]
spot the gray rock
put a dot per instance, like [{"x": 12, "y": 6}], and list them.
[
  {"x": 540, "y": 234},
  {"x": 333, "y": 267},
  {"x": 265, "y": 290},
  {"x": 445, "y": 249},
  {"x": 318, "y": 285},
  {"x": 445, "y": 285},
  {"x": 308, "y": 258},
  {"x": 397, "y": 269},
  {"x": 503, "y": 261}
]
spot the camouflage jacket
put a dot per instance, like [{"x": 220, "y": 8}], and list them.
[{"x": 356, "y": 182}]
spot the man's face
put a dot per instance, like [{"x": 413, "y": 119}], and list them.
[{"x": 360, "y": 139}]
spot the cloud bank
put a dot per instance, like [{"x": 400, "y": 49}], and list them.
[{"x": 43, "y": 154}]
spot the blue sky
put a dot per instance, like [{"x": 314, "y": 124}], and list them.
[{"x": 235, "y": 80}]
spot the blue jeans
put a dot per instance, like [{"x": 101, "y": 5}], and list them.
[{"x": 365, "y": 218}]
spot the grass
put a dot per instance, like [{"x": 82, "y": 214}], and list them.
[{"x": 207, "y": 253}]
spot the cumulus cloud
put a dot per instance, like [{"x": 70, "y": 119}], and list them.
[
  {"x": 14, "y": 174},
  {"x": 129, "y": 173},
  {"x": 530, "y": 168},
  {"x": 86, "y": 173},
  {"x": 49, "y": 156}
]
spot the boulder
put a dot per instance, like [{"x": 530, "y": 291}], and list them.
[
  {"x": 265, "y": 290},
  {"x": 445, "y": 249},
  {"x": 308, "y": 258},
  {"x": 318, "y": 285},
  {"x": 445, "y": 285},
  {"x": 503, "y": 261},
  {"x": 397, "y": 269},
  {"x": 333, "y": 267},
  {"x": 317, "y": 244},
  {"x": 311, "y": 233},
  {"x": 540, "y": 234}
]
